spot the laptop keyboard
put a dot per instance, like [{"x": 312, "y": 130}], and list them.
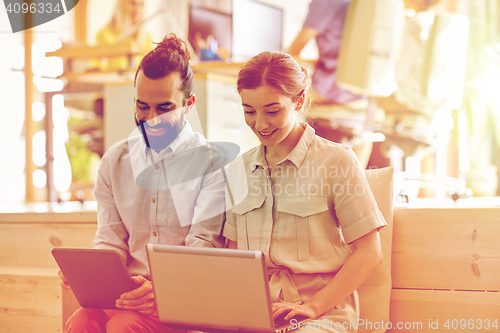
[{"x": 283, "y": 325}]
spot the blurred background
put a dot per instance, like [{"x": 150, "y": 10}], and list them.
[{"x": 426, "y": 72}]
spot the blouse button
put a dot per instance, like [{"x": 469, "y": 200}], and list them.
[
  {"x": 154, "y": 200},
  {"x": 154, "y": 233}
]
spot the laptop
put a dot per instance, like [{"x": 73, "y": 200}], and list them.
[{"x": 213, "y": 290}]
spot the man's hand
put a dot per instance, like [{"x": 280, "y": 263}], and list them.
[
  {"x": 140, "y": 299},
  {"x": 64, "y": 284}
]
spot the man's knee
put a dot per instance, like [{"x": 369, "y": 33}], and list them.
[
  {"x": 130, "y": 321},
  {"x": 86, "y": 320}
]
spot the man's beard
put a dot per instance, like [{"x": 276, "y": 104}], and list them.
[{"x": 158, "y": 143}]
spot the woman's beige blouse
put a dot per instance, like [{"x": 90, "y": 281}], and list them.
[{"x": 303, "y": 215}]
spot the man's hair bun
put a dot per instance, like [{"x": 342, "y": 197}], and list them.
[{"x": 173, "y": 45}]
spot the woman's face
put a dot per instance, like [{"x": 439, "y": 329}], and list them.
[
  {"x": 271, "y": 115},
  {"x": 135, "y": 9}
]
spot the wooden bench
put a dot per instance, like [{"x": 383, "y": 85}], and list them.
[
  {"x": 445, "y": 268},
  {"x": 30, "y": 295}
]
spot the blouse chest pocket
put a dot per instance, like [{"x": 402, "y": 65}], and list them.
[
  {"x": 301, "y": 226},
  {"x": 248, "y": 217}
]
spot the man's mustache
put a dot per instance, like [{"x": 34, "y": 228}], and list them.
[
  {"x": 142, "y": 124},
  {"x": 158, "y": 126}
]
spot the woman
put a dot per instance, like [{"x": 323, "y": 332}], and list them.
[
  {"x": 305, "y": 199},
  {"x": 127, "y": 13}
]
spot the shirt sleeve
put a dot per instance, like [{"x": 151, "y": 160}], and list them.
[
  {"x": 209, "y": 213},
  {"x": 321, "y": 13},
  {"x": 355, "y": 206},
  {"x": 111, "y": 233},
  {"x": 237, "y": 185}
]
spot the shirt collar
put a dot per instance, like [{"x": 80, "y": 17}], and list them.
[
  {"x": 260, "y": 159},
  {"x": 296, "y": 156},
  {"x": 140, "y": 156}
]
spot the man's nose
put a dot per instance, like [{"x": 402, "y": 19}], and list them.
[{"x": 153, "y": 118}]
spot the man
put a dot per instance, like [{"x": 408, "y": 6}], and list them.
[{"x": 148, "y": 191}]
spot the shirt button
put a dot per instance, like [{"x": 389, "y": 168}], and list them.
[
  {"x": 157, "y": 166},
  {"x": 154, "y": 233},
  {"x": 154, "y": 200}
]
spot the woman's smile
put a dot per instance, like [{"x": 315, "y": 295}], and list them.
[{"x": 267, "y": 134}]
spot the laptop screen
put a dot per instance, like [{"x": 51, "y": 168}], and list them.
[{"x": 211, "y": 289}]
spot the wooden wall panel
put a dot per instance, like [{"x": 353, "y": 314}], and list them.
[
  {"x": 455, "y": 249},
  {"x": 30, "y": 303},
  {"x": 29, "y": 244},
  {"x": 417, "y": 309},
  {"x": 30, "y": 294}
]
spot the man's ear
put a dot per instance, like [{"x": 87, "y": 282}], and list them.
[{"x": 190, "y": 103}]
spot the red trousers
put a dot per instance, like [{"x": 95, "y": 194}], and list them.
[{"x": 86, "y": 320}]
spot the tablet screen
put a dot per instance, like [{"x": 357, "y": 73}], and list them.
[{"x": 97, "y": 277}]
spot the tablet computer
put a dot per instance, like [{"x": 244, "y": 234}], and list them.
[{"x": 97, "y": 277}]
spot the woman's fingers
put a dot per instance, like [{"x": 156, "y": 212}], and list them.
[
  {"x": 276, "y": 306},
  {"x": 291, "y": 314},
  {"x": 280, "y": 308},
  {"x": 291, "y": 310},
  {"x": 300, "y": 311}
]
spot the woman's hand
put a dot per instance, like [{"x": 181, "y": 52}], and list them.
[
  {"x": 141, "y": 299},
  {"x": 63, "y": 283},
  {"x": 293, "y": 310}
]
